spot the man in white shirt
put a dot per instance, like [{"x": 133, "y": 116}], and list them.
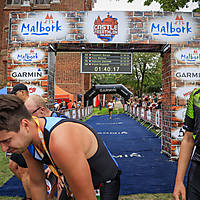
[{"x": 110, "y": 108}]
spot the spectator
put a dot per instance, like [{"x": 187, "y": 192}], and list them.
[
  {"x": 159, "y": 103},
  {"x": 64, "y": 105},
  {"x": 74, "y": 104},
  {"x": 155, "y": 98},
  {"x": 56, "y": 105},
  {"x": 139, "y": 104},
  {"x": 69, "y": 105},
  {"x": 100, "y": 106},
  {"x": 78, "y": 104}
]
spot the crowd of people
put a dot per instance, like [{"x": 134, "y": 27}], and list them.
[
  {"x": 67, "y": 105},
  {"x": 147, "y": 102}
]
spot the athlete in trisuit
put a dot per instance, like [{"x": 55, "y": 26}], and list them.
[
  {"x": 36, "y": 105},
  {"x": 67, "y": 144}
]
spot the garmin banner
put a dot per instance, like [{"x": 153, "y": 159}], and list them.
[
  {"x": 27, "y": 73},
  {"x": 188, "y": 73}
]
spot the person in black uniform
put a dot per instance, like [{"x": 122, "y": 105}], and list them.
[{"x": 66, "y": 144}]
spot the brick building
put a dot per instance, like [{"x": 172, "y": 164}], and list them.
[{"x": 68, "y": 75}]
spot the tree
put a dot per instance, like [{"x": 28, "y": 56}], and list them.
[
  {"x": 171, "y": 5},
  {"x": 103, "y": 79},
  {"x": 145, "y": 77},
  {"x": 146, "y": 74}
]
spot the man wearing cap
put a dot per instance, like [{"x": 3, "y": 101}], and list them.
[
  {"x": 17, "y": 163},
  {"x": 21, "y": 91}
]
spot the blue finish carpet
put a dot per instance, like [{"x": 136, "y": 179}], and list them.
[{"x": 137, "y": 150}]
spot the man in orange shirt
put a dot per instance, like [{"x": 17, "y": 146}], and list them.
[{"x": 69, "y": 105}]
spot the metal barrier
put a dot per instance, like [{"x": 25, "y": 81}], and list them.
[
  {"x": 77, "y": 113},
  {"x": 151, "y": 117}
]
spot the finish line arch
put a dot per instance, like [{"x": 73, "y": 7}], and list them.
[
  {"x": 106, "y": 89},
  {"x": 33, "y": 37}
]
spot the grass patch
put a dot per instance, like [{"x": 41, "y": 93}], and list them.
[
  {"x": 167, "y": 196},
  {"x": 5, "y": 172},
  {"x": 104, "y": 111},
  {"x": 10, "y": 198}
]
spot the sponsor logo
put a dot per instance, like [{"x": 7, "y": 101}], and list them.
[
  {"x": 149, "y": 115},
  {"x": 188, "y": 73},
  {"x": 142, "y": 112},
  {"x": 185, "y": 91},
  {"x": 108, "y": 90},
  {"x": 67, "y": 113},
  {"x": 191, "y": 55},
  {"x": 157, "y": 119},
  {"x": 27, "y": 55},
  {"x": 180, "y": 114},
  {"x": 128, "y": 155},
  {"x": 113, "y": 133},
  {"x": 27, "y": 73},
  {"x": 44, "y": 26},
  {"x": 178, "y": 133},
  {"x": 178, "y": 27},
  {"x": 35, "y": 90},
  {"x": 74, "y": 114},
  {"x": 106, "y": 28}
]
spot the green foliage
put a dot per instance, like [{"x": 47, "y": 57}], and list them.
[
  {"x": 146, "y": 76},
  {"x": 171, "y": 5},
  {"x": 103, "y": 79}
]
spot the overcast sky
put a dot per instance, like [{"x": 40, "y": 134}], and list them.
[{"x": 137, "y": 5}]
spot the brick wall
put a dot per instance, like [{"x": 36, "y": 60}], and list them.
[
  {"x": 166, "y": 104},
  {"x": 68, "y": 74},
  {"x": 65, "y": 5}
]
